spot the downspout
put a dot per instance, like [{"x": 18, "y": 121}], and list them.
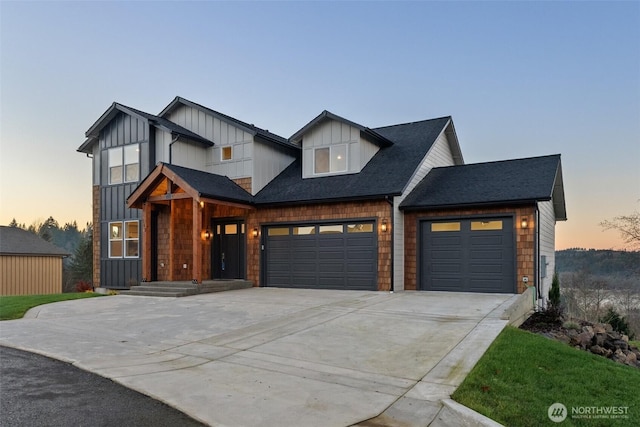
[
  {"x": 174, "y": 140},
  {"x": 389, "y": 200},
  {"x": 536, "y": 254}
]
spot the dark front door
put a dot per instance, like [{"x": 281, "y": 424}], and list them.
[{"x": 228, "y": 251}]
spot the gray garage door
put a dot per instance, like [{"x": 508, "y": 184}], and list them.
[
  {"x": 322, "y": 256},
  {"x": 468, "y": 255}
]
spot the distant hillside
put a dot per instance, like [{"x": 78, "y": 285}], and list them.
[{"x": 598, "y": 262}]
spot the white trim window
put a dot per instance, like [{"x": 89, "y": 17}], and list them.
[
  {"x": 124, "y": 239},
  {"x": 124, "y": 164},
  {"x": 226, "y": 153},
  {"x": 331, "y": 159}
]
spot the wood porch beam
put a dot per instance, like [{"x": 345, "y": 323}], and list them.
[
  {"x": 227, "y": 203},
  {"x": 168, "y": 196}
]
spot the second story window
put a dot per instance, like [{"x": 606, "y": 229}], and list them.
[
  {"x": 330, "y": 159},
  {"x": 124, "y": 164}
]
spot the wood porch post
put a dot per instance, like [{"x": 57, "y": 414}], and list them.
[
  {"x": 197, "y": 242},
  {"x": 146, "y": 242},
  {"x": 172, "y": 235}
]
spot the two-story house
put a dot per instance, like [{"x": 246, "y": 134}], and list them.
[{"x": 193, "y": 194}]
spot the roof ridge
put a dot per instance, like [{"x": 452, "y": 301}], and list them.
[
  {"x": 499, "y": 161},
  {"x": 412, "y": 123}
]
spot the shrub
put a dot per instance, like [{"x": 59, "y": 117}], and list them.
[
  {"x": 84, "y": 286},
  {"x": 617, "y": 322},
  {"x": 555, "y": 308}
]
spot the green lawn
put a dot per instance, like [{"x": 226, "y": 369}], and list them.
[
  {"x": 522, "y": 374},
  {"x": 635, "y": 343},
  {"x": 14, "y": 307}
]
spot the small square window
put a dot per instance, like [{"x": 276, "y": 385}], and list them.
[{"x": 226, "y": 153}]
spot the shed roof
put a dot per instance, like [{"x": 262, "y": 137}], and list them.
[
  {"x": 491, "y": 183},
  {"x": 16, "y": 241}
]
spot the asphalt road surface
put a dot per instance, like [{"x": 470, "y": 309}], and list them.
[{"x": 38, "y": 391}]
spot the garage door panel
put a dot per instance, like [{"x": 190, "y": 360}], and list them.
[
  {"x": 446, "y": 268},
  {"x": 476, "y": 256},
  {"x": 447, "y": 284},
  {"x": 487, "y": 268},
  {"x": 368, "y": 254},
  {"x": 452, "y": 239},
  {"x": 336, "y": 257},
  {"x": 488, "y": 254},
  {"x": 446, "y": 254}
]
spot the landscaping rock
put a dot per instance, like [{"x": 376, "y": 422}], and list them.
[{"x": 599, "y": 339}]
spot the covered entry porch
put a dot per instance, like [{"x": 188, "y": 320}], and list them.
[{"x": 193, "y": 225}]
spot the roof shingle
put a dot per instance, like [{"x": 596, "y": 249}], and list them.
[
  {"x": 507, "y": 181},
  {"x": 16, "y": 241}
]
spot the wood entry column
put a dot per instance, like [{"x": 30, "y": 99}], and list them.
[
  {"x": 147, "y": 274},
  {"x": 197, "y": 242}
]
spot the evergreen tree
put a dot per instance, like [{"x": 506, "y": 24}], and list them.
[{"x": 81, "y": 266}]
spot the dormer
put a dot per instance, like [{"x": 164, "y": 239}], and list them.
[{"x": 332, "y": 145}]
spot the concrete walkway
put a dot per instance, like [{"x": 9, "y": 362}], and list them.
[{"x": 279, "y": 357}]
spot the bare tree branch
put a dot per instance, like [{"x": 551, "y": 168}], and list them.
[{"x": 628, "y": 226}]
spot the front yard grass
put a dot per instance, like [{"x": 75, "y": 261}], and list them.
[
  {"x": 522, "y": 374},
  {"x": 15, "y": 306}
]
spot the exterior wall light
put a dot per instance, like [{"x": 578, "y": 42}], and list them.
[
  {"x": 206, "y": 235},
  {"x": 201, "y": 204},
  {"x": 383, "y": 226},
  {"x": 255, "y": 232},
  {"x": 524, "y": 223}
]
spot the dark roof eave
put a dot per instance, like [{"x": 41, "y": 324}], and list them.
[
  {"x": 326, "y": 200},
  {"x": 410, "y": 208}
]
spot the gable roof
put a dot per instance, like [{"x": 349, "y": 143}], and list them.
[
  {"x": 365, "y": 132},
  {"x": 386, "y": 174},
  {"x": 16, "y": 241},
  {"x": 493, "y": 183},
  {"x": 199, "y": 185},
  {"x": 93, "y": 133},
  {"x": 263, "y": 134}
]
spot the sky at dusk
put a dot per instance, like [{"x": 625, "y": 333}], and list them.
[{"x": 520, "y": 79}]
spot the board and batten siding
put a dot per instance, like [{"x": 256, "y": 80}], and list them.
[
  {"x": 220, "y": 132},
  {"x": 547, "y": 235},
  {"x": 332, "y": 132},
  {"x": 122, "y": 130},
  {"x": 272, "y": 162},
  {"x": 438, "y": 155},
  {"x": 30, "y": 275}
]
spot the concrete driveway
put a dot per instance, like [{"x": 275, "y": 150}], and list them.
[{"x": 265, "y": 356}]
